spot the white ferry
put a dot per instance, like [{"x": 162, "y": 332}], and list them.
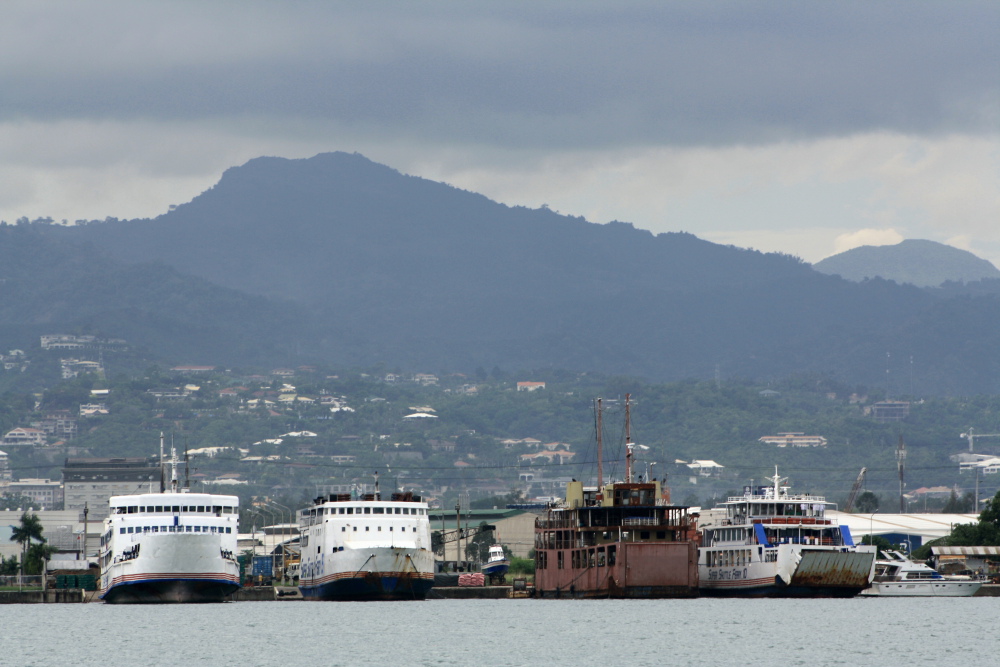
[
  {"x": 365, "y": 548},
  {"x": 898, "y": 576},
  {"x": 774, "y": 543},
  {"x": 171, "y": 546}
]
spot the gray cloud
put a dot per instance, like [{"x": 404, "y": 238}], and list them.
[{"x": 558, "y": 74}]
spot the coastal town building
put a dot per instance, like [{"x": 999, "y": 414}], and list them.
[
  {"x": 24, "y": 437},
  {"x": 794, "y": 439},
  {"x": 530, "y": 386},
  {"x": 43, "y": 493},
  {"x": 91, "y": 482}
]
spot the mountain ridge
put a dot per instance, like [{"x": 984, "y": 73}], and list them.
[
  {"x": 397, "y": 269},
  {"x": 916, "y": 261}
]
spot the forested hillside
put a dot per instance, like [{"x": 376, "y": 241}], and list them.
[{"x": 409, "y": 272}]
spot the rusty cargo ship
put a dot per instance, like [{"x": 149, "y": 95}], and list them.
[
  {"x": 623, "y": 543},
  {"x": 773, "y": 543},
  {"x": 620, "y": 540}
]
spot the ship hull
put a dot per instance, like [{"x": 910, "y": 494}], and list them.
[
  {"x": 375, "y": 573},
  {"x": 932, "y": 588},
  {"x": 641, "y": 570},
  {"x": 373, "y": 586},
  {"x": 172, "y": 567},
  {"x": 796, "y": 572},
  {"x": 159, "y": 591}
]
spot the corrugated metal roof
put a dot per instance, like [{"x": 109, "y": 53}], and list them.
[
  {"x": 927, "y": 526},
  {"x": 965, "y": 551}
]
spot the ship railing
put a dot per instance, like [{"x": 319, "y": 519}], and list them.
[{"x": 640, "y": 521}]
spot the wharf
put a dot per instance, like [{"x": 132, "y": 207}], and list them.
[
  {"x": 46, "y": 597},
  {"x": 471, "y": 593}
]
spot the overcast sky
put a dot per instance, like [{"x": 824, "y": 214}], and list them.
[{"x": 800, "y": 127}]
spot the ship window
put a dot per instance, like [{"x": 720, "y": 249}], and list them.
[
  {"x": 350, "y": 510},
  {"x": 156, "y": 529},
  {"x": 129, "y": 529},
  {"x": 121, "y": 531},
  {"x": 559, "y": 560},
  {"x": 187, "y": 529},
  {"x": 390, "y": 529},
  {"x": 600, "y": 557},
  {"x": 380, "y": 529},
  {"x": 367, "y": 528},
  {"x": 661, "y": 534},
  {"x": 406, "y": 510},
  {"x": 177, "y": 508},
  {"x": 402, "y": 529},
  {"x": 643, "y": 534},
  {"x": 342, "y": 511},
  {"x": 368, "y": 510},
  {"x": 355, "y": 529},
  {"x": 228, "y": 529},
  {"x": 217, "y": 509},
  {"x": 197, "y": 529},
  {"x": 201, "y": 508},
  {"x": 343, "y": 528},
  {"x": 378, "y": 510},
  {"x": 159, "y": 508}
]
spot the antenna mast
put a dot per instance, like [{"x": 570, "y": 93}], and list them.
[{"x": 163, "y": 483}]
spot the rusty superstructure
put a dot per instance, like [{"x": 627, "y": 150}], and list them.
[{"x": 625, "y": 542}]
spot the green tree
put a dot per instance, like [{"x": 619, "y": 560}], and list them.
[
  {"x": 479, "y": 546},
  {"x": 867, "y": 503},
  {"x": 34, "y": 562},
  {"x": 956, "y": 505},
  {"x": 984, "y": 533},
  {"x": 30, "y": 528}
]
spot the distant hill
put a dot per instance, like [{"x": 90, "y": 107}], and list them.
[
  {"x": 915, "y": 261},
  {"x": 50, "y": 286},
  {"x": 339, "y": 259}
]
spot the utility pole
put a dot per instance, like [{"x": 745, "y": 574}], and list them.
[
  {"x": 86, "y": 511},
  {"x": 901, "y": 465},
  {"x": 458, "y": 528}
]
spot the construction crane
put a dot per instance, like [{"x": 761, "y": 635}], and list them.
[
  {"x": 971, "y": 436},
  {"x": 854, "y": 490}
]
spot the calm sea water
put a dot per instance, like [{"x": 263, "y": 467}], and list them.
[{"x": 499, "y": 633}]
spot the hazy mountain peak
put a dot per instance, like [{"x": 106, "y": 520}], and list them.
[{"x": 917, "y": 261}]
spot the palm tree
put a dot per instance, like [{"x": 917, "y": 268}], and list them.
[{"x": 29, "y": 529}]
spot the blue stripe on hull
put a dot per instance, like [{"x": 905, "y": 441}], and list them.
[
  {"x": 370, "y": 588},
  {"x": 159, "y": 591}
]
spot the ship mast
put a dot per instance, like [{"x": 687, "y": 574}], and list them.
[
  {"x": 163, "y": 488},
  {"x": 628, "y": 440}
]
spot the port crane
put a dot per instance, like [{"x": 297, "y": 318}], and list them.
[
  {"x": 971, "y": 435},
  {"x": 854, "y": 490}
]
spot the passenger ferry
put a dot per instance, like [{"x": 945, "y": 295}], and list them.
[
  {"x": 898, "y": 576},
  {"x": 774, "y": 543},
  {"x": 617, "y": 540},
  {"x": 361, "y": 547},
  {"x": 172, "y": 546}
]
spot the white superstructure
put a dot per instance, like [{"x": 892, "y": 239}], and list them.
[
  {"x": 770, "y": 542},
  {"x": 365, "y": 548},
  {"x": 172, "y": 546}
]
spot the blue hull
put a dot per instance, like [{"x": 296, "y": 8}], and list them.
[{"x": 370, "y": 588}]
